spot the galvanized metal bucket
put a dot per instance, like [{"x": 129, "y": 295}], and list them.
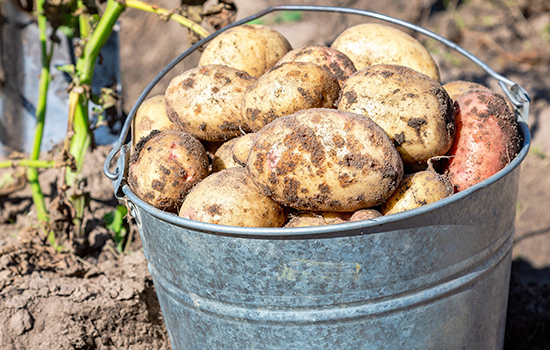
[{"x": 435, "y": 277}]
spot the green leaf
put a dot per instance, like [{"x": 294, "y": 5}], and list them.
[
  {"x": 114, "y": 222},
  {"x": 259, "y": 21},
  {"x": 289, "y": 17},
  {"x": 115, "y": 219}
]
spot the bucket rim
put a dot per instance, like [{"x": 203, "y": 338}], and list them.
[
  {"x": 515, "y": 93},
  {"x": 333, "y": 229}
]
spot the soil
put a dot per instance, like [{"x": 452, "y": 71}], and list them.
[{"x": 97, "y": 298}]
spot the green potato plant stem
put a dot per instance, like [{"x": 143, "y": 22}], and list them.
[
  {"x": 32, "y": 173},
  {"x": 79, "y": 136}
]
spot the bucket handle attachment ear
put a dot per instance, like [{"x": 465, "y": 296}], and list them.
[{"x": 513, "y": 91}]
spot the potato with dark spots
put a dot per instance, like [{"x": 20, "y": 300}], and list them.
[
  {"x": 223, "y": 157},
  {"x": 458, "y": 87},
  {"x": 369, "y": 44},
  {"x": 288, "y": 88},
  {"x": 251, "y": 48},
  {"x": 413, "y": 109},
  {"x": 206, "y": 102},
  {"x": 416, "y": 190},
  {"x": 151, "y": 115},
  {"x": 487, "y": 138},
  {"x": 300, "y": 161},
  {"x": 336, "y": 62},
  {"x": 230, "y": 197},
  {"x": 165, "y": 166}
]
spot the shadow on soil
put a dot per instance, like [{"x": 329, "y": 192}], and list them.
[{"x": 528, "y": 317}]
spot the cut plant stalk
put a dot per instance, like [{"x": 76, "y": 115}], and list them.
[{"x": 79, "y": 135}]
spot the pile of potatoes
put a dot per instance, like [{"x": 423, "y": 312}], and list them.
[{"x": 263, "y": 135}]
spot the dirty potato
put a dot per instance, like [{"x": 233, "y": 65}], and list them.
[
  {"x": 412, "y": 108},
  {"x": 231, "y": 198},
  {"x": 288, "y": 88},
  {"x": 336, "y": 62},
  {"x": 206, "y": 102},
  {"x": 325, "y": 160},
  {"x": 416, "y": 190},
  {"x": 365, "y": 214},
  {"x": 372, "y": 43},
  {"x": 223, "y": 157},
  {"x": 242, "y": 147},
  {"x": 312, "y": 218},
  {"x": 458, "y": 87},
  {"x": 252, "y": 48},
  {"x": 487, "y": 138},
  {"x": 165, "y": 166},
  {"x": 151, "y": 115},
  {"x": 305, "y": 219}
]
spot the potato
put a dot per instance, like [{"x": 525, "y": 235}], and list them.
[
  {"x": 151, "y": 115},
  {"x": 309, "y": 218},
  {"x": 457, "y": 87},
  {"x": 371, "y": 43},
  {"x": 252, "y": 48},
  {"x": 336, "y": 62},
  {"x": 416, "y": 190},
  {"x": 242, "y": 147},
  {"x": 165, "y": 166},
  {"x": 323, "y": 159},
  {"x": 223, "y": 158},
  {"x": 487, "y": 138},
  {"x": 288, "y": 88},
  {"x": 231, "y": 198},
  {"x": 305, "y": 219},
  {"x": 206, "y": 102},
  {"x": 365, "y": 214},
  {"x": 412, "y": 108}
]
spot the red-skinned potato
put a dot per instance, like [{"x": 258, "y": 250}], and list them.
[
  {"x": 458, "y": 87},
  {"x": 164, "y": 166},
  {"x": 487, "y": 138}
]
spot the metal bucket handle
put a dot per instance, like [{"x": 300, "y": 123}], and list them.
[{"x": 515, "y": 92}]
